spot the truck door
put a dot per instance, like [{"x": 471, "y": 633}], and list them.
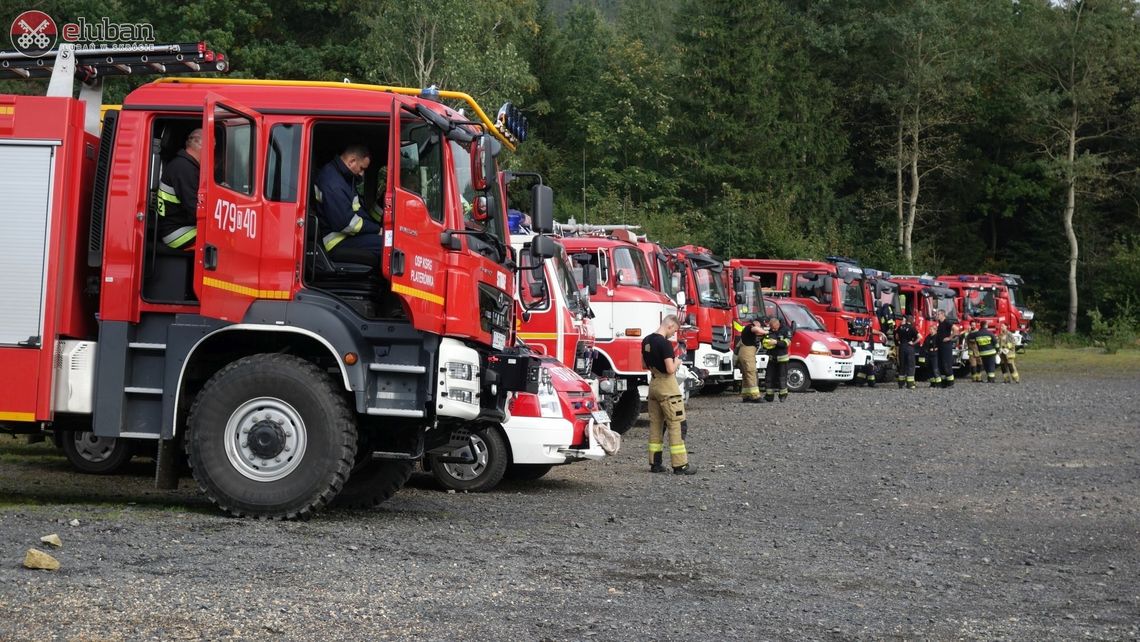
[
  {"x": 413, "y": 258},
  {"x": 230, "y": 224}
]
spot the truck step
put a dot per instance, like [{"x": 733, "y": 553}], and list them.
[
  {"x": 139, "y": 390},
  {"x": 142, "y": 345},
  {"x": 395, "y": 412},
  {"x": 397, "y": 367}
]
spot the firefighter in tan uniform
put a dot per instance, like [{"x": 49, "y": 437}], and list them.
[
  {"x": 975, "y": 356},
  {"x": 666, "y": 405},
  {"x": 750, "y": 332},
  {"x": 1007, "y": 348}
]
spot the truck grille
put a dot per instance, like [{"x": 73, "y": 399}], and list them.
[
  {"x": 721, "y": 338},
  {"x": 494, "y": 309},
  {"x": 859, "y": 327}
]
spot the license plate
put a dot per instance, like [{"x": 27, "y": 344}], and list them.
[
  {"x": 601, "y": 416},
  {"x": 498, "y": 340},
  {"x": 846, "y": 368}
]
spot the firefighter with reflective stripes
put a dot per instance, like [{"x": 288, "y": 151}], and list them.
[
  {"x": 348, "y": 233},
  {"x": 750, "y": 333},
  {"x": 177, "y": 205},
  {"x": 776, "y": 343},
  {"x": 1007, "y": 349},
  {"x": 947, "y": 335},
  {"x": 906, "y": 340},
  {"x": 930, "y": 349},
  {"x": 972, "y": 348},
  {"x": 987, "y": 351},
  {"x": 666, "y": 403}
]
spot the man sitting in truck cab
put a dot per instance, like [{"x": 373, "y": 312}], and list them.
[
  {"x": 347, "y": 232},
  {"x": 178, "y": 195}
]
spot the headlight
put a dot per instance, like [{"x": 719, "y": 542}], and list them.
[
  {"x": 460, "y": 395},
  {"x": 711, "y": 360},
  {"x": 457, "y": 370},
  {"x": 1027, "y": 315},
  {"x": 606, "y": 385},
  {"x": 818, "y": 347}
]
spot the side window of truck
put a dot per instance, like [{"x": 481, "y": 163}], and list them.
[
  {"x": 808, "y": 287},
  {"x": 281, "y": 163},
  {"x": 421, "y": 166},
  {"x": 233, "y": 150}
]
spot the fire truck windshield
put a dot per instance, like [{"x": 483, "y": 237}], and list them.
[
  {"x": 710, "y": 288},
  {"x": 565, "y": 277},
  {"x": 944, "y": 303},
  {"x": 980, "y": 303},
  {"x": 491, "y": 229},
  {"x": 798, "y": 314},
  {"x": 854, "y": 296},
  {"x": 629, "y": 265}
]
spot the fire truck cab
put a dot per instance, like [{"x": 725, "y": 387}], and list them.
[
  {"x": 993, "y": 299},
  {"x": 626, "y": 307},
  {"x": 708, "y": 307},
  {"x": 281, "y": 372},
  {"x": 836, "y": 294}
]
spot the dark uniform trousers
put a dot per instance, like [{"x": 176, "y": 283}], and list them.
[
  {"x": 906, "y": 365},
  {"x": 946, "y": 361}
]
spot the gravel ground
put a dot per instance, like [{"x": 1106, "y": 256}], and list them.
[{"x": 982, "y": 512}]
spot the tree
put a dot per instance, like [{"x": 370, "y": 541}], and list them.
[{"x": 1087, "y": 54}]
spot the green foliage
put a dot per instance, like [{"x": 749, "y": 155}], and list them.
[{"x": 1121, "y": 331}]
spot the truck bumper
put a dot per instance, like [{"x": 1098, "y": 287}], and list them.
[
  {"x": 822, "y": 368},
  {"x": 545, "y": 440},
  {"x": 715, "y": 366}
]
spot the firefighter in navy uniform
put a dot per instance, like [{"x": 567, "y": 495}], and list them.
[
  {"x": 930, "y": 350},
  {"x": 987, "y": 351},
  {"x": 906, "y": 340},
  {"x": 947, "y": 341},
  {"x": 346, "y": 233},
  {"x": 666, "y": 404},
  {"x": 776, "y": 343},
  {"x": 178, "y": 196}
]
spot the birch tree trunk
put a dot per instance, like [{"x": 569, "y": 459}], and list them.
[
  {"x": 899, "y": 185},
  {"x": 1070, "y": 233}
]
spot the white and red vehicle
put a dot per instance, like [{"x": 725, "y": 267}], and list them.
[
  {"x": 709, "y": 308},
  {"x": 626, "y": 308},
  {"x": 548, "y": 428},
  {"x": 817, "y": 358}
]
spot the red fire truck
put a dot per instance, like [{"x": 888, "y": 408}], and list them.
[
  {"x": 282, "y": 372},
  {"x": 992, "y": 298},
  {"x": 921, "y": 297},
  {"x": 836, "y": 293},
  {"x": 626, "y": 306},
  {"x": 708, "y": 307}
]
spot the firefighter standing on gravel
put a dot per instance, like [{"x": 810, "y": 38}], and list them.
[
  {"x": 947, "y": 341},
  {"x": 750, "y": 333},
  {"x": 906, "y": 340},
  {"x": 930, "y": 350},
  {"x": 1007, "y": 347},
  {"x": 666, "y": 404},
  {"x": 972, "y": 348},
  {"x": 776, "y": 344},
  {"x": 987, "y": 351}
]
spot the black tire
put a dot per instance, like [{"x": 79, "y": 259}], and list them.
[
  {"x": 888, "y": 373},
  {"x": 626, "y": 411},
  {"x": 798, "y": 379},
  {"x": 95, "y": 455},
  {"x": 374, "y": 482},
  {"x": 492, "y": 457},
  {"x": 305, "y": 431},
  {"x": 528, "y": 472},
  {"x": 825, "y": 386}
]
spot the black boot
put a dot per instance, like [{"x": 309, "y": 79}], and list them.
[
  {"x": 687, "y": 469},
  {"x": 655, "y": 466}
]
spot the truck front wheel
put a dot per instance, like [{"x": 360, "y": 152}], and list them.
[
  {"x": 271, "y": 436},
  {"x": 95, "y": 455},
  {"x": 626, "y": 410},
  {"x": 491, "y": 456},
  {"x": 798, "y": 378}
]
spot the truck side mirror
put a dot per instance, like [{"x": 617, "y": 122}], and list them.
[
  {"x": 737, "y": 279},
  {"x": 675, "y": 280},
  {"x": 591, "y": 278},
  {"x": 680, "y": 299},
  {"x": 543, "y": 247},
  {"x": 480, "y": 211},
  {"x": 542, "y": 201},
  {"x": 738, "y": 299},
  {"x": 482, "y": 161},
  {"x": 537, "y": 289}
]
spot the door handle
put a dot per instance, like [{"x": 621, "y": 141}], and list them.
[
  {"x": 210, "y": 257},
  {"x": 397, "y": 263}
]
